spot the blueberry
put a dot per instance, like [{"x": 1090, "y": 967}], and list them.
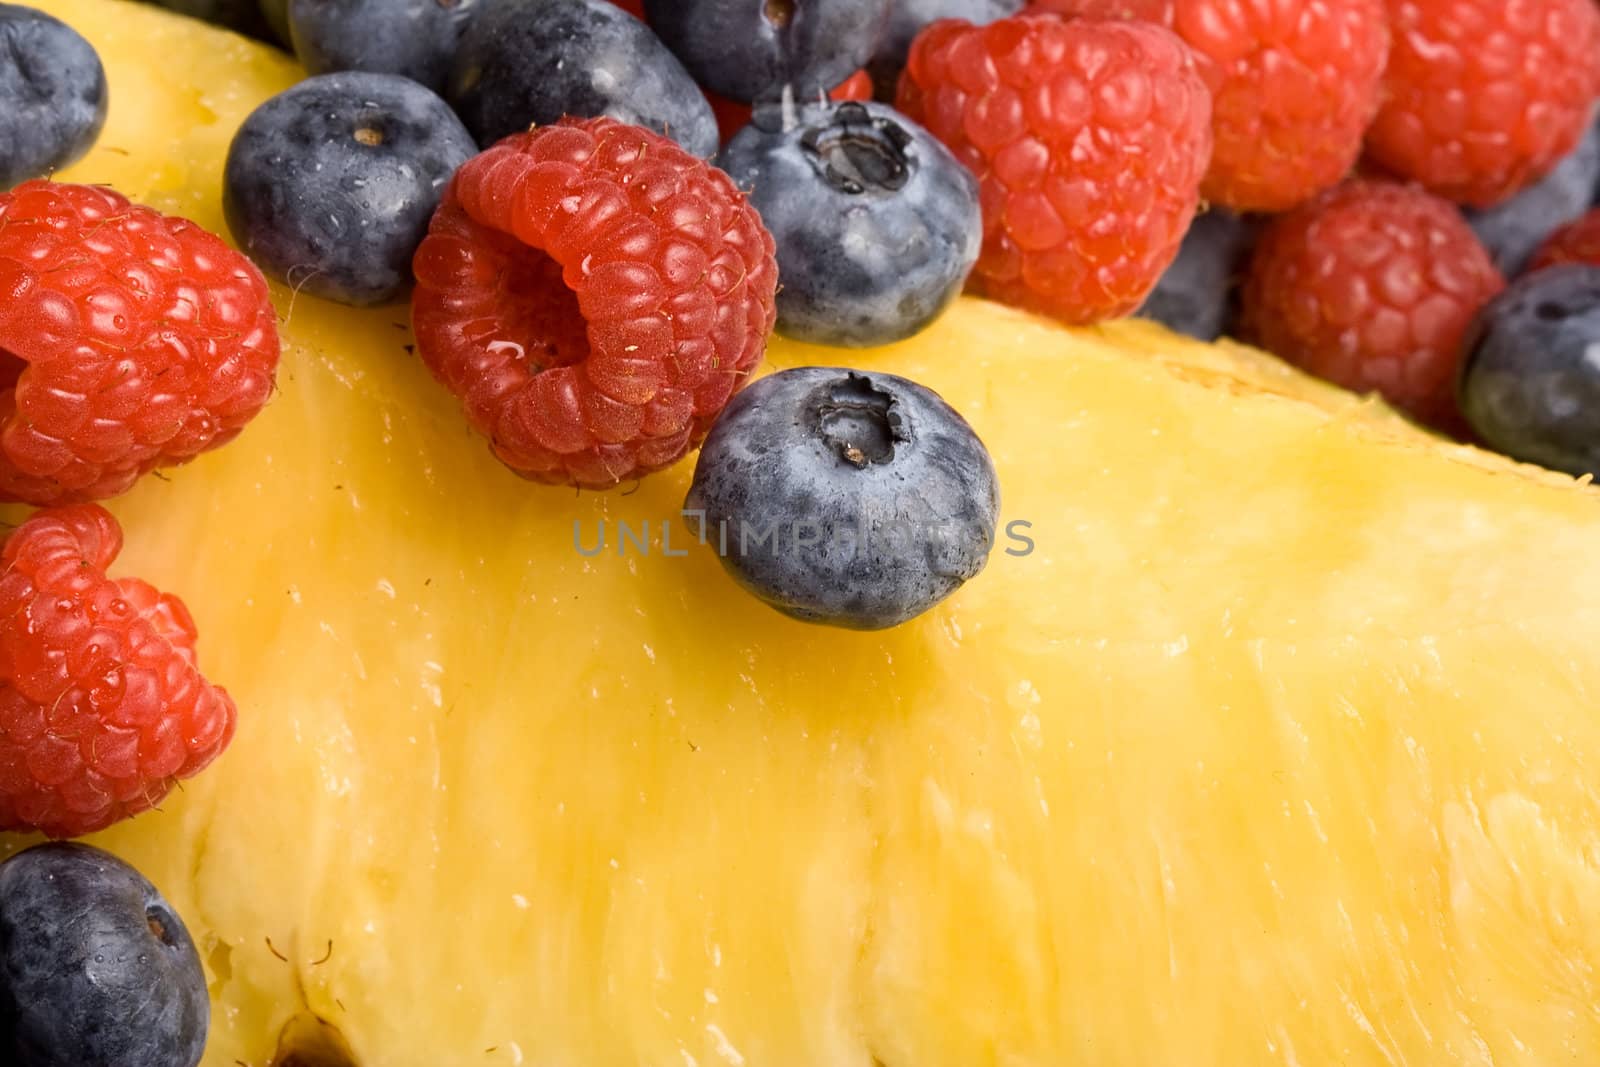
[
  {"x": 52, "y": 94},
  {"x": 1197, "y": 294},
  {"x": 852, "y": 499},
  {"x": 907, "y": 18},
  {"x": 416, "y": 38},
  {"x": 523, "y": 62},
  {"x": 96, "y": 969},
  {"x": 1512, "y": 231},
  {"x": 751, "y": 50},
  {"x": 240, "y": 16},
  {"x": 877, "y": 224},
  {"x": 1530, "y": 384},
  {"x": 330, "y": 185}
]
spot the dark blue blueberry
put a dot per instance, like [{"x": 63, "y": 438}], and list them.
[
  {"x": 846, "y": 498},
  {"x": 877, "y": 224},
  {"x": 416, "y": 38},
  {"x": 1512, "y": 231},
  {"x": 1530, "y": 384},
  {"x": 527, "y": 62},
  {"x": 240, "y": 16},
  {"x": 52, "y": 95},
  {"x": 96, "y": 969},
  {"x": 907, "y": 18},
  {"x": 751, "y": 50},
  {"x": 330, "y": 185},
  {"x": 1197, "y": 294}
]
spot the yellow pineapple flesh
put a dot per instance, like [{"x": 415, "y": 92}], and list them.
[{"x": 1278, "y": 748}]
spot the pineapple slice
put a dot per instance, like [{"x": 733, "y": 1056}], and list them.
[{"x": 1276, "y": 749}]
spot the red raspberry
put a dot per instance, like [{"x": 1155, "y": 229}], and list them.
[
  {"x": 1088, "y": 138},
  {"x": 1371, "y": 286},
  {"x": 1482, "y": 97},
  {"x": 1295, "y": 83},
  {"x": 632, "y": 7},
  {"x": 128, "y": 341},
  {"x": 733, "y": 116},
  {"x": 1576, "y": 242},
  {"x": 594, "y": 295},
  {"x": 102, "y": 708}
]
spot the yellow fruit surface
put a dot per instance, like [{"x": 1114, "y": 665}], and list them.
[{"x": 1281, "y": 747}]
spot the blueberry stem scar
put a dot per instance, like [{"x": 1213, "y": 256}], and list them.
[
  {"x": 858, "y": 420},
  {"x": 858, "y": 152}
]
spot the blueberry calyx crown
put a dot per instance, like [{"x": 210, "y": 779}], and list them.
[
  {"x": 858, "y": 420},
  {"x": 855, "y": 152}
]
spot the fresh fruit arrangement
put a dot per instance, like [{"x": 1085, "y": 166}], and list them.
[{"x": 1127, "y": 698}]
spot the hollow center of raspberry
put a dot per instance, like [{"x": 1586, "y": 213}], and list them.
[
  {"x": 370, "y": 136},
  {"x": 540, "y": 315},
  {"x": 857, "y": 153},
  {"x": 11, "y": 368},
  {"x": 858, "y": 420}
]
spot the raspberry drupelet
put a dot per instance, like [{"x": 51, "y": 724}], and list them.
[
  {"x": 594, "y": 295},
  {"x": 102, "y": 708}
]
